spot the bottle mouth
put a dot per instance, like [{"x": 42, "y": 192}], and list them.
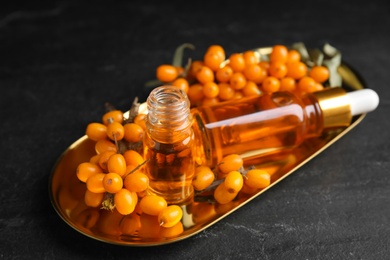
[{"x": 168, "y": 109}]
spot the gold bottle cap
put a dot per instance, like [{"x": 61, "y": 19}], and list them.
[{"x": 335, "y": 106}]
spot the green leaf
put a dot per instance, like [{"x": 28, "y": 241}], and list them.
[
  {"x": 179, "y": 53},
  {"x": 316, "y": 56},
  {"x": 301, "y": 48},
  {"x": 153, "y": 83},
  {"x": 333, "y": 61}
]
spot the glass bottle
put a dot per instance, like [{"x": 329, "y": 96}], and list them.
[
  {"x": 253, "y": 126},
  {"x": 271, "y": 123},
  {"x": 169, "y": 143}
]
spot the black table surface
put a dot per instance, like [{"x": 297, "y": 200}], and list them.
[{"x": 60, "y": 61}]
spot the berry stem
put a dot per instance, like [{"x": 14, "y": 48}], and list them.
[
  {"x": 133, "y": 112},
  {"x": 136, "y": 168}
]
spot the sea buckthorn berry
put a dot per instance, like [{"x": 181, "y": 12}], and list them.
[
  {"x": 319, "y": 87},
  {"x": 254, "y": 73},
  {"x": 271, "y": 84},
  {"x": 205, "y": 74},
  {"x": 95, "y": 183},
  {"x": 213, "y": 60},
  {"x": 125, "y": 201},
  {"x": 237, "y": 62},
  {"x": 277, "y": 69},
  {"x": 103, "y": 159},
  {"x": 257, "y": 178},
  {"x": 224, "y": 74},
  {"x": 231, "y": 162},
  {"x": 104, "y": 145},
  {"x": 307, "y": 84},
  {"x": 140, "y": 120},
  {"x": 133, "y": 132},
  {"x": 112, "y": 182},
  {"x": 96, "y": 131},
  {"x": 248, "y": 190},
  {"x": 203, "y": 178},
  {"x": 117, "y": 163},
  {"x": 195, "y": 66},
  {"x": 195, "y": 94},
  {"x": 136, "y": 182},
  {"x": 215, "y": 48},
  {"x": 296, "y": 70},
  {"x": 170, "y": 216},
  {"x": 234, "y": 181},
  {"x": 279, "y": 53},
  {"x": 238, "y": 80},
  {"x": 86, "y": 169},
  {"x": 173, "y": 231},
  {"x": 251, "y": 89},
  {"x": 293, "y": 56},
  {"x": 181, "y": 83},
  {"x": 319, "y": 73},
  {"x": 210, "y": 89},
  {"x": 264, "y": 65},
  {"x": 95, "y": 159},
  {"x": 112, "y": 116},
  {"x": 260, "y": 80},
  {"x": 166, "y": 73},
  {"x": 226, "y": 91},
  {"x": 180, "y": 70},
  {"x": 153, "y": 204},
  {"x": 92, "y": 199},
  {"x": 287, "y": 84},
  {"x": 312, "y": 87},
  {"x": 250, "y": 57},
  {"x": 210, "y": 101},
  {"x": 133, "y": 157},
  {"x": 115, "y": 131},
  {"x": 238, "y": 94},
  {"x": 222, "y": 195}
]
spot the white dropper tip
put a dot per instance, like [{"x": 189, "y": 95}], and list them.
[{"x": 363, "y": 101}]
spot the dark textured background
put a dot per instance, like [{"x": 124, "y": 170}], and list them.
[{"x": 61, "y": 60}]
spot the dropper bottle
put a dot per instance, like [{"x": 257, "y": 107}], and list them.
[
  {"x": 272, "y": 123},
  {"x": 256, "y": 126}
]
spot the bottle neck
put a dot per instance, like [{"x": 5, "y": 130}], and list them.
[{"x": 169, "y": 118}]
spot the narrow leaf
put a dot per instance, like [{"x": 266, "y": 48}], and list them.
[{"x": 179, "y": 53}]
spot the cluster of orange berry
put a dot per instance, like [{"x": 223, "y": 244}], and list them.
[
  {"x": 215, "y": 78},
  {"x": 229, "y": 178},
  {"x": 115, "y": 179}
]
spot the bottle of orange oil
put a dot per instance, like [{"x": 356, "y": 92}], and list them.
[
  {"x": 169, "y": 144},
  {"x": 179, "y": 138}
]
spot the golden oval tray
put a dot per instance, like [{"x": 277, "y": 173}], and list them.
[{"x": 66, "y": 191}]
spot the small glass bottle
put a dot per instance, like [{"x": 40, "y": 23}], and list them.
[
  {"x": 169, "y": 143},
  {"x": 252, "y": 127}
]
